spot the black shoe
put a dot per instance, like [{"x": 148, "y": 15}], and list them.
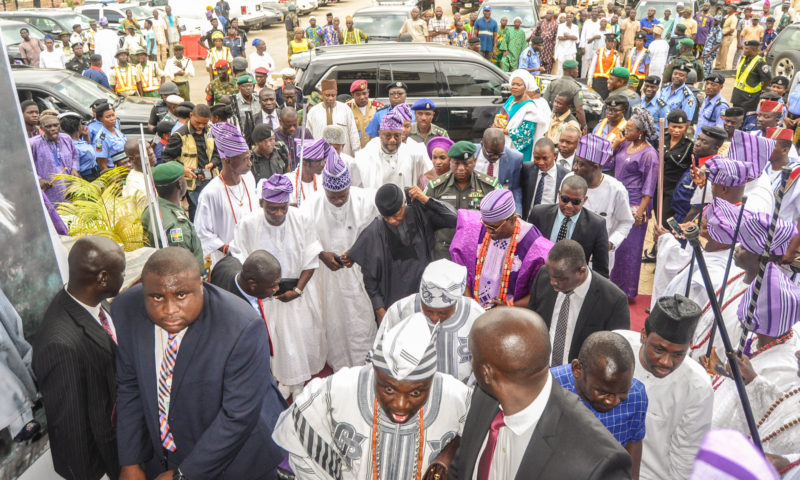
[{"x": 649, "y": 256}]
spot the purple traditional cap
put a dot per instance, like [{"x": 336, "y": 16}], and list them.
[
  {"x": 392, "y": 122},
  {"x": 594, "y": 149},
  {"x": 404, "y": 111},
  {"x": 315, "y": 149},
  {"x": 439, "y": 142},
  {"x": 729, "y": 454},
  {"x": 777, "y": 305},
  {"x": 726, "y": 172},
  {"x": 753, "y": 234},
  {"x": 722, "y": 216},
  {"x": 752, "y": 149},
  {"x": 335, "y": 175},
  {"x": 497, "y": 205},
  {"x": 228, "y": 139},
  {"x": 277, "y": 189}
]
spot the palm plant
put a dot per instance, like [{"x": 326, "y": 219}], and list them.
[{"x": 97, "y": 208}]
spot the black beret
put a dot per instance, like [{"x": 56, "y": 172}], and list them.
[
  {"x": 653, "y": 80},
  {"x": 677, "y": 116},
  {"x": 752, "y": 43},
  {"x": 716, "y": 78},
  {"x": 733, "y": 112},
  {"x": 717, "y": 133}
]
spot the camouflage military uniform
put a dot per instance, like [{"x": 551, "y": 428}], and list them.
[
  {"x": 217, "y": 88},
  {"x": 179, "y": 230}
]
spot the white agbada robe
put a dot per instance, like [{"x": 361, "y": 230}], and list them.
[
  {"x": 610, "y": 201},
  {"x": 678, "y": 416},
  {"x": 218, "y": 212},
  {"x": 296, "y": 327},
  {"x": 764, "y": 395},
  {"x": 374, "y": 168},
  {"x": 758, "y": 192},
  {"x": 543, "y": 116},
  {"x": 309, "y": 189},
  {"x": 106, "y": 44},
  {"x": 452, "y": 347},
  {"x": 342, "y": 115},
  {"x": 790, "y": 207},
  {"x": 672, "y": 257},
  {"x": 346, "y": 309},
  {"x": 730, "y": 304},
  {"x": 336, "y": 414},
  {"x": 659, "y": 51}
]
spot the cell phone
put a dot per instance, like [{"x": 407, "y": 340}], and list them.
[
  {"x": 673, "y": 224},
  {"x": 338, "y": 259}
]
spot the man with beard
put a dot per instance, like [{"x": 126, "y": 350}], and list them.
[
  {"x": 268, "y": 155},
  {"x": 331, "y": 111},
  {"x": 340, "y": 215},
  {"x": 395, "y": 248},
  {"x": 363, "y": 108},
  {"x": 289, "y": 132},
  {"x": 423, "y": 129}
]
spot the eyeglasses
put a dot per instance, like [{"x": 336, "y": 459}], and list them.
[
  {"x": 492, "y": 155},
  {"x": 494, "y": 228},
  {"x": 574, "y": 201}
]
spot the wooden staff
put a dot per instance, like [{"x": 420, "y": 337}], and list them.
[{"x": 661, "y": 148}]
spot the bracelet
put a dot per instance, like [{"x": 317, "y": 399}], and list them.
[{"x": 298, "y": 291}]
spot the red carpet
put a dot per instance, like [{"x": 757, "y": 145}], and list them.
[{"x": 638, "y": 314}]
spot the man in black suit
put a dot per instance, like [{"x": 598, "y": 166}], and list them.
[
  {"x": 573, "y": 302},
  {"x": 541, "y": 178},
  {"x": 552, "y": 436},
  {"x": 73, "y": 359},
  {"x": 568, "y": 219},
  {"x": 203, "y": 403}
]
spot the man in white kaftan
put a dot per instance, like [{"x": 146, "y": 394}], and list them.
[{"x": 332, "y": 112}]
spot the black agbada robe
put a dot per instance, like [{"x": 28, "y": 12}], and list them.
[{"x": 392, "y": 259}]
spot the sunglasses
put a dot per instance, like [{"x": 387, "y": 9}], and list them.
[
  {"x": 494, "y": 228},
  {"x": 574, "y": 201}
]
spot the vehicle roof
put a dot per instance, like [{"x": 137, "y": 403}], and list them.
[
  {"x": 386, "y": 51},
  {"x": 39, "y": 13},
  {"x": 384, "y": 9},
  {"x": 521, "y": 3},
  {"x": 34, "y": 76}
]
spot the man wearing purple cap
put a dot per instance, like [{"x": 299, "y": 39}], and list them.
[
  {"x": 228, "y": 197},
  {"x": 307, "y": 183},
  {"x": 339, "y": 216},
  {"x": 490, "y": 244},
  {"x": 387, "y": 159},
  {"x": 293, "y": 315}
]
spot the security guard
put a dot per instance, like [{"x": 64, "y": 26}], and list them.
[
  {"x": 161, "y": 110},
  {"x": 650, "y": 101},
  {"x": 685, "y": 56},
  {"x": 714, "y": 105},
  {"x": 612, "y": 126},
  {"x": 752, "y": 75},
  {"x": 676, "y": 94},
  {"x": 461, "y": 187},
  {"x": 222, "y": 84},
  {"x": 150, "y": 73},
  {"x": 125, "y": 78},
  {"x": 397, "y": 93},
  {"x": 360, "y": 92},
  {"x": 216, "y": 53},
  {"x": 424, "y": 109},
  {"x": 107, "y": 143},
  {"x": 171, "y": 187}
]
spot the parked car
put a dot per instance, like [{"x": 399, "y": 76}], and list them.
[
  {"x": 9, "y": 29},
  {"x": 115, "y": 13},
  {"x": 423, "y": 5},
  {"x": 382, "y": 23},
  {"x": 49, "y": 21},
  {"x": 510, "y": 9},
  {"x": 783, "y": 55},
  {"x": 63, "y": 90},
  {"x": 660, "y": 5},
  {"x": 469, "y": 5}
]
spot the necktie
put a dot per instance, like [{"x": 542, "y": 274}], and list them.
[
  {"x": 329, "y": 115},
  {"x": 164, "y": 376},
  {"x": 561, "y": 332},
  {"x": 264, "y": 316},
  {"x": 562, "y": 232},
  {"x": 490, "y": 170},
  {"x": 106, "y": 325},
  {"x": 485, "y": 463},
  {"x": 539, "y": 189}
]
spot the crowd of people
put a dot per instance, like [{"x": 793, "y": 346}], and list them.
[{"x": 343, "y": 291}]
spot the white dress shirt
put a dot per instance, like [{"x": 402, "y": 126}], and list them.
[
  {"x": 161, "y": 343},
  {"x": 514, "y": 437},
  {"x": 94, "y": 312},
  {"x": 270, "y": 119},
  {"x": 549, "y": 188},
  {"x": 565, "y": 162},
  {"x": 482, "y": 163},
  {"x": 575, "y": 304}
]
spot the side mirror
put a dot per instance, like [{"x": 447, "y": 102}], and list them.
[{"x": 505, "y": 91}]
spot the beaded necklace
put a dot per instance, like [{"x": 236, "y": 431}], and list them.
[
  {"x": 722, "y": 308},
  {"x": 508, "y": 263},
  {"x": 718, "y": 379},
  {"x": 771, "y": 409},
  {"x": 298, "y": 185},
  {"x": 376, "y": 465},
  {"x": 241, "y": 201}
]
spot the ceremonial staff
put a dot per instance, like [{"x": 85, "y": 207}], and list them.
[
  {"x": 660, "y": 210},
  {"x": 763, "y": 260},
  {"x": 699, "y": 221},
  {"x": 156, "y": 224},
  {"x": 300, "y": 160},
  {"x": 692, "y": 233},
  {"x": 725, "y": 276}
]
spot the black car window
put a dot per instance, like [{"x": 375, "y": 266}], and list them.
[
  {"x": 787, "y": 39},
  {"x": 470, "y": 80},
  {"x": 113, "y": 17},
  {"x": 91, "y": 13},
  {"x": 347, "y": 74},
  {"x": 420, "y": 77}
]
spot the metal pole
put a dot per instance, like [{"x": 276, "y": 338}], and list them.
[
  {"x": 156, "y": 223},
  {"x": 693, "y": 235},
  {"x": 299, "y": 185},
  {"x": 699, "y": 221}
]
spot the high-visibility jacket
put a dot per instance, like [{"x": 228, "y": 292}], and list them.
[
  {"x": 606, "y": 61},
  {"x": 635, "y": 61},
  {"x": 742, "y": 74},
  {"x": 150, "y": 80},
  {"x": 126, "y": 79}
]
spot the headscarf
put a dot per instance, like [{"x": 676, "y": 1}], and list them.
[
  {"x": 643, "y": 121},
  {"x": 439, "y": 142},
  {"x": 527, "y": 79},
  {"x": 228, "y": 140}
]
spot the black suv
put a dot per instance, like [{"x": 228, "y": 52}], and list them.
[
  {"x": 49, "y": 21},
  {"x": 467, "y": 89}
]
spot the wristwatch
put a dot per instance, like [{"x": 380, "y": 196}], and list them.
[
  {"x": 298, "y": 291},
  {"x": 177, "y": 475}
]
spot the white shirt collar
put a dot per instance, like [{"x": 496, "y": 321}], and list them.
[
  {"x": 528, "y": 417},
  {"x": 553, "y": 170},
  {"x": 582, "y": 289},
  {"x": 94, "y": 311}
]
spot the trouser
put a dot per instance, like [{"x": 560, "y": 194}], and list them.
[
  {"x": 192, "y": 196},
  {"x": 183, "y": 91},
  {"x": 487, "y": 54},
  {"x": 724, "y": 51},
  {"x": 153, "y": 94},
  {"x": 698, "y": 50},
  {"x": 586, "y": 62},
  {"x": 163, "y": 54}
]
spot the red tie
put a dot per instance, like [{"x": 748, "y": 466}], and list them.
[
  {"x": 485, "y": 463},
  {"x": 106, "y": 325},
  {"x": 490, "y": 171},
  {"x": 264, "y": 316}
]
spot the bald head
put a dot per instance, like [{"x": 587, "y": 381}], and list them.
[
  {"x": 288, "y": 114},
  {"x": 261, "y": 274},
  {"x": 132, "y": 147},
  {"x": 96, "y": 269},
  {"x": 171, "y": 261},
  {"x": 608, "y": 349},
  {"x": 493, "y": 137}
]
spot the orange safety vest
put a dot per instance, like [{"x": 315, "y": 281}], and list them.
[
  {"x": 606, "y": 60},
  {"x": 126, "y": 83},
  {"x": 633, "y": 64},
  {"x": 614, "y": 132},
  {"x": 150, "y": 81}
]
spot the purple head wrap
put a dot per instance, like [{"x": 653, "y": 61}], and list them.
[
  {"x": 392, "y": 121},
  {"x": 722, "y": 216},
  {"x": 335, "y": 175},
  {"x": 404, "y": 111},
  {"x": 726, "y": 172},
  {"x": 277, "y": 189},
  {"x": 751, "y": 149},
  {"x": 228, "y": 139},
  {"x": 315, "y": 149},
  {"x": 777, "y": 306},
  {"x": 753, "y": 234},
  {"x": 439, "y": 142},
  {"x": 729, "y": 454},
  {"x": 497, "y": 205},
  {"x": 595, "y": 149}
]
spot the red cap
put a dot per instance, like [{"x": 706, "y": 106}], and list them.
[
  {"x": 221, "y": 64},
  {"x": 777, "y": 133},
  {"x": 770, "y": 106},
  {"x": 262, "y": 70},
  {"x": 358, "y": 85}
]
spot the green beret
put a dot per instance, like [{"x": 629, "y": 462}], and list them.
[
  {"x": 621, "y": 72},
  {"x": 167, "y": 173},
  {"x": 686, "y": 42},
  {"x": 462, "y": 150},
  {"x": 569, "y": 64},
  {"x": 246, "y": 78}
]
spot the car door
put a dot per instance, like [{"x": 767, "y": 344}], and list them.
[
  {"x": 472, "y": 97},
  {"x": 44, "y": 24},
  {"x": 346, "y": 74}
]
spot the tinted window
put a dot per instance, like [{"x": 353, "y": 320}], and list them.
[
  {"x": 347, "y": 74},
  {"x": 383, "y": 25},
  {"x": 44, "y": 24},
  {"x": 113, "y": 17},
  {"x": 471, "y": 80},
  {"x": 91, "y": 13},
  {"x": 420, "y": 77},
  {"x": 787, "y": 39}
]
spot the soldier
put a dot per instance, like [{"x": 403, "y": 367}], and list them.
[
  {"x": 685, "y": 55},
  {"x": 676, "y": 94},
  {"x": 171, "y": 187},
  {"x": 222, "y": 84},
  {"x": 363, "y": 108},
  {"x": 125, "y": 78},
  {"x": 714, "y": 105},
  {"x": 461, "y": 187},
  {"x": 424, "y": 129}
]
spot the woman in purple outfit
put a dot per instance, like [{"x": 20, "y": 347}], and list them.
[{"x": 635, "y": 164}]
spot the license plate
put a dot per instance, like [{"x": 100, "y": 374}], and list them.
[{"x": 467, "y": 5}]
